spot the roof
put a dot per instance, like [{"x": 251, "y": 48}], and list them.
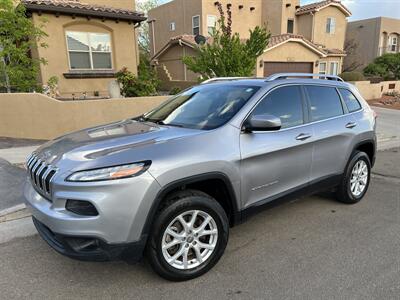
[
  {"x": 334, "y": 52},
  {"x": 277, "y": 40},
  {"x": 313, "y": 7},
  {"x": 185, "y": 39},
  {"x": 77, "y": 7}
]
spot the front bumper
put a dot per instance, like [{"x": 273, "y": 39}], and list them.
[
  {"x": 88, "y": 248},
  {"x": 122, "y": 206}
]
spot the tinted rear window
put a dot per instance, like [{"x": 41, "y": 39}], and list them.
[
  {"x": 350, "y": 100},
  {"x": 325, "y": 102}
]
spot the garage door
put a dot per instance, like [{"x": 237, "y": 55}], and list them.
[{"x": 287, "y": 67}]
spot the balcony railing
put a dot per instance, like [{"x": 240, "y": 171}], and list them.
[{"x": 388, "y": 49}]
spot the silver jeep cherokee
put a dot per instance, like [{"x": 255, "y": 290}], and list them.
[{"x": 171, "y": 182}]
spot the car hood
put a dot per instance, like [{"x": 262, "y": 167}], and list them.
[{"x": 122, "y": 142}]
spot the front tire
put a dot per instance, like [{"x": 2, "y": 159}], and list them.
[
  {"x": 355, "y": 182},
  {"x": 188, "y": 237}
]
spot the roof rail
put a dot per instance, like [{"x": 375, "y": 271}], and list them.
[
  {"x": 296, "y": 75},
  {"x": 215, "y": 79}
]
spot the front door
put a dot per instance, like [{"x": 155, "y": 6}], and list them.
[{"x": 277, "y": 162}]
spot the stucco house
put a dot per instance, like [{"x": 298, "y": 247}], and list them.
[
  {"x": 373, "y": 37},
  {"x": 307, "y": 38},
  {"x": 88, "y": 42}
]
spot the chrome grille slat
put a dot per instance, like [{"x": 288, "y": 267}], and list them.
[
  {"x": 39, "y": 170},
  {"x": 41, "y": 174}
]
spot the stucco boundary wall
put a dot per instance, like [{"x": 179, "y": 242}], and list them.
[
  {"x": 36, "y": 116},
  {"x": 371, "y": 91}
]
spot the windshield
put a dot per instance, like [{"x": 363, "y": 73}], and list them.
[{"x": 203, "y": 107}]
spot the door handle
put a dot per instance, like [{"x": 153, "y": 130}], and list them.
[
  {"x": 303, "y": 136},
  {"x": 351, "y": 125}
]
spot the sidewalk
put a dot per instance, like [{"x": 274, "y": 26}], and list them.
[
  {"x": 17, "y": 155},
  {"x": 12, "y": 179}
]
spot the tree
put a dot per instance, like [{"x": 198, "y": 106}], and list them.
[
  {"x": 225, "y": 54},
  {"x": 144, "y": 34},
  {"x": 386, "y": 66},
  {"x": 351, "y": 62},
  {"x": 18, "y": 36}
]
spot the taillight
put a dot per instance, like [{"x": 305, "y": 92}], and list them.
[{"x": 374, "y": 114}]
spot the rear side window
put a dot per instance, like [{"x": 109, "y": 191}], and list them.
[
  {"x": 285, "y": 103},
  {"x": 350, "y": 100},
  {"x": 325, "y": 102}
]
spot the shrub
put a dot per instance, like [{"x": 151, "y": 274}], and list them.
[
  {"x": 352, "y": 76},
  {"x": 386, "y": 66},
  {"x": 175, "y": 90},
  {"x": 145, "y": 84},
  {"x": 133, "y": 86}
]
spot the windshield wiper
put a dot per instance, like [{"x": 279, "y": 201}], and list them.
[{"x": 170, "y": 124}]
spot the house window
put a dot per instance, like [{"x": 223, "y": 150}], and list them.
[
  {"x": 211, "y": 22},
  {"x": 196, "y": 25},
  {"x": 322, "y": 68},
  {"x": 334, "y": 68},
  {"x": 393, "y": 44},
  {"x": 331, "y": 25},
  {"x": 89, "y": 51},
  {"x": 172, "y": 26},
  {"x": 290, "y": 26}
]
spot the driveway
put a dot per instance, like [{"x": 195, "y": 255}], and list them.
[{"x": 310, "y": 248}]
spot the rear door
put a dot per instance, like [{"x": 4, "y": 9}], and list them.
[
  {"x": 333, "y": 131},
  {"x": 277, "y": 162}
]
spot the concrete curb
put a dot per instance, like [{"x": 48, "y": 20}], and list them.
[{"x": 12, "y": 210}]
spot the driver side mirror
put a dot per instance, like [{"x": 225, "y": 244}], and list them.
[{"x": 262, "y": 123}]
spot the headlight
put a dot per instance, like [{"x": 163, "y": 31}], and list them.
[{"x": 111, "y": 173}]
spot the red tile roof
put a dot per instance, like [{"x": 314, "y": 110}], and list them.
[
  {"x": 274, "y": 41},
  {"x": 81, "y": 8},
  {"x": 313, "y": 7},
  {"x": 281, "y": 38},
  {"x": 335, "y": 51}
]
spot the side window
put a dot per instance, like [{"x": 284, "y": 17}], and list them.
[
  {"x": 350, "y": 100},
  {"x": 325, "y": 102},
  {"x": 285, "y": 103}
]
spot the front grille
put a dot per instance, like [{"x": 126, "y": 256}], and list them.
[{"x": 40, "y": 174}]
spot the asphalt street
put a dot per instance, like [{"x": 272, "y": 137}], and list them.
[
  {"x": 388, "y": 128},
  {"x": 310, "y": 248}
]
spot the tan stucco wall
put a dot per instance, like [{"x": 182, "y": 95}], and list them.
[
  {"x": 124, "y": 51},
  {"x": 178, "y": 11},
  {"x": 240, "y": 17},
  {"x": 172, "y": 60},
  {"x": 335, "y": 40},
  {"x": 37, "y": 116},
  {"x": 368, "y": 34},
  {"x": 289, "y": 52},
  {"x": 305, "y": 26},
  {"x": 372, "y": 91}
]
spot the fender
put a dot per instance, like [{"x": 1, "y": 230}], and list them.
[
  {"x": 367, "y": 142},
  {"x": 235, "y": 218}
]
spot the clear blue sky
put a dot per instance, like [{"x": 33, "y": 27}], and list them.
[{"x": 363, "y": 9}]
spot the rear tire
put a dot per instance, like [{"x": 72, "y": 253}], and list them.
[
  {"x": 356, "y": 179},
  {"x": 179, "y": 223}
]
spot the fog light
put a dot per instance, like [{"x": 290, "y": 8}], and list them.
[{"x": 83, "y": 208}]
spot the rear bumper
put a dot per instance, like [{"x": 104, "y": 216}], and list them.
[{"x": 90, "y": 248}]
